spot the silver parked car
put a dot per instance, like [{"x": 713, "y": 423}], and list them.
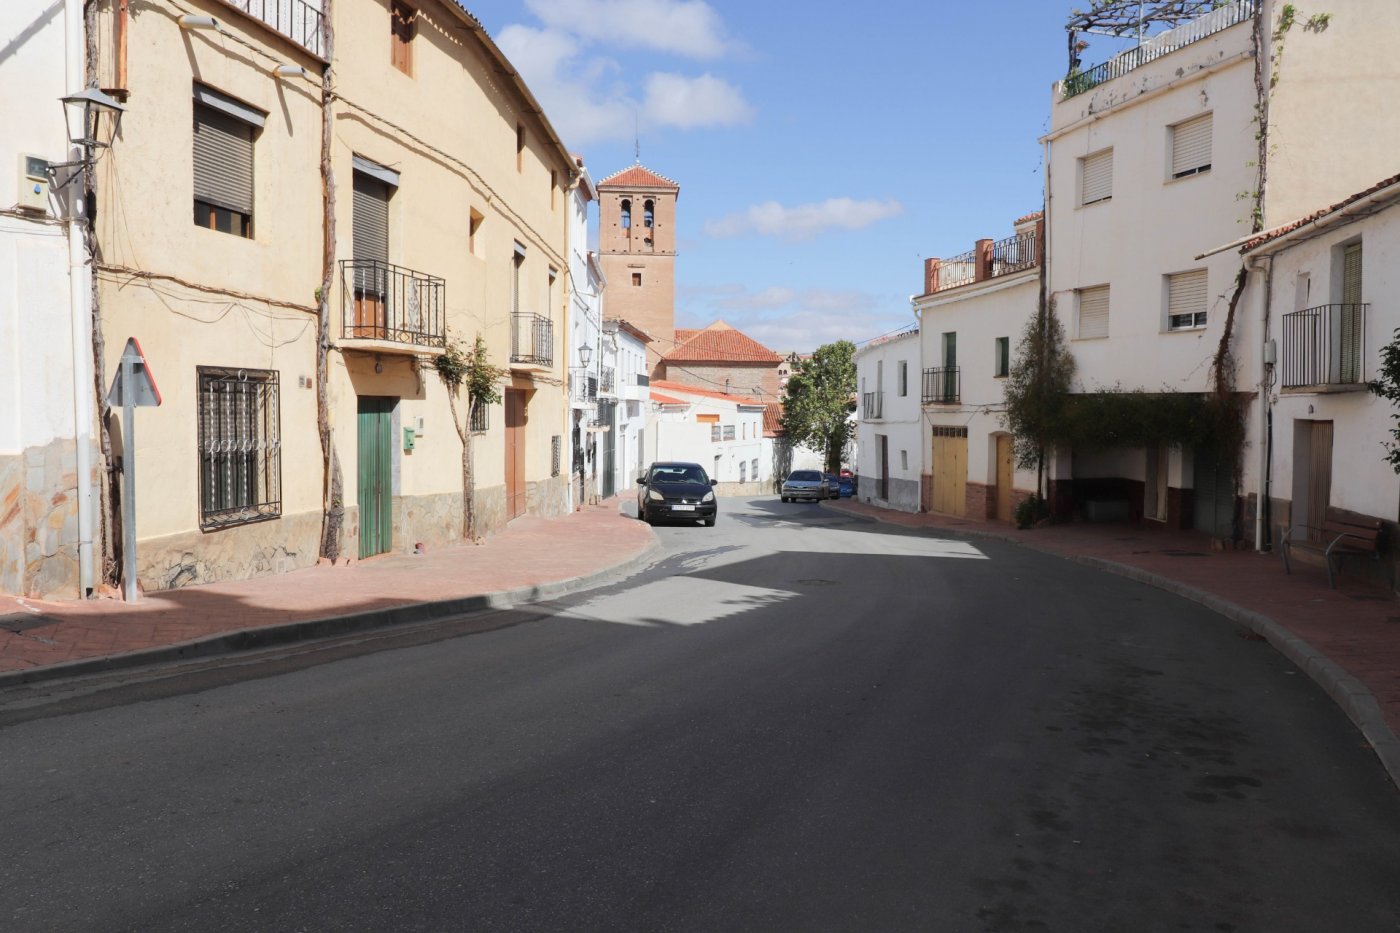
[{"x": 805, "y": 484}]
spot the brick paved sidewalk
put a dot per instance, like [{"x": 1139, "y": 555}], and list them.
[
  {"x": 1356, "y": 627},
  {"x": 530, "y": 553}
]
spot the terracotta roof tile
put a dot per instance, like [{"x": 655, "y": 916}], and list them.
[
  {"x": 1033, "y": 215},
  {"x": 707, "y": 393},
  {"x": 772, "y": 419},
  {"x": 1277, "y": 232},
  {"x": 638, "y": 176},
  {"x": 720, "y": 343},
  {"x": 665, "y": 399}
]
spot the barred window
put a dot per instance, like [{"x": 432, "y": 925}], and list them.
[
  {"x": 240, "y": 446},
  {"x": 481, "y": 417},
  {"x": 729, "y": 432},
  {"x": 556, "y": 449}
]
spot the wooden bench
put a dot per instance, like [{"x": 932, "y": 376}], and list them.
[{"x": 1334, "y": 540}]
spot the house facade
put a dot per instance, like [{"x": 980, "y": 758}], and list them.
[
  {"x": 625, "y": 353},
  {"x": 48, "y": 500},
  {"x": 1162, "y": 141},
  {"x": 721, "y": 432},
  {"x": 590, "y": 388},
  {"x": 889, "y": 461},
  {"x": 972, "y": 313},
  {"x": 1328, "y": 287},
  {"x": 220, "y": 254}
]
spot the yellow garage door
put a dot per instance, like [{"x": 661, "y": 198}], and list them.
[{"x": 949, "y": 470}]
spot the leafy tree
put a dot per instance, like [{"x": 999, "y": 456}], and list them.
[
  {"x": 460, "y": 367},
  {"x": 1388, "y": 387},
  {"x": 819, "y": 399},
  {"x": 1036, "y": 392}
]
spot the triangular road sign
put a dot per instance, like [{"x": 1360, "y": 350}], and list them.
[{"x": 143, "y": 385}]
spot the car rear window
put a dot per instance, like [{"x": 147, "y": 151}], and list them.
[{"x": 811, "y": 475}]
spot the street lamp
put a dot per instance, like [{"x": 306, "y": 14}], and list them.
[
  {"x": 585, "y": 354},
  {"x": 97, "y": 114}
]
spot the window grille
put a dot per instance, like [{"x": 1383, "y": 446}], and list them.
[
  {"x": 1191, "y": 147},
  {"x": 1096, "y": 177},
  {"x": 240, "y": 446},
  {"x": 1186, "y": 300},
  {"x": 556, "y": 454},
  {"x": 1093, "y": 312},
  {"x": 729, "y": 432},
  {"x": 714, "y": 433},
  {"x": 481, "y": 417}
]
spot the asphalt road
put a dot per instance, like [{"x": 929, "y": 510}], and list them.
[{"x": 795, "y": 721}]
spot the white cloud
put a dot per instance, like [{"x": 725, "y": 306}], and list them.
[
  {"x": 690, "y": 28},
  {"x": 687, "y": 103},
  {"x": 805, "y": 220},
  {"x": 580, "y": 100}
]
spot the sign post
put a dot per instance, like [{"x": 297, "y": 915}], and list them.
[{"x": 133, "y": 386}]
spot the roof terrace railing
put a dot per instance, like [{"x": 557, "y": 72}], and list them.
[
  {"x": 987, "y": 260},
  {"x": 1159, "y": 45}
]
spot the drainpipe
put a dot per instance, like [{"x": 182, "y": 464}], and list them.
[
  {"x": 80, "y": 317},
  {"x": 1267, "y": 359}
]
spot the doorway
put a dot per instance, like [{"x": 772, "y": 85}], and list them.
[
  {"x": 1005, "y": 476},
  {"x": 1155, "y": 492},
  {"x": 515, "y": 453},
  {"x": 375, "y": 474},
  {"x": 1312, "y": 476},
  {"x": 949, "y": 463}
]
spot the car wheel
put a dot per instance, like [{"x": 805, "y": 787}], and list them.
[
  {"x": 709, "y": 523},
  {"x": 784, "y": 498}
]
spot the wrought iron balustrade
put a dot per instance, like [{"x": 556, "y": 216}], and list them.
[
  {"x": 1159, "y": 45},
  {"x": 531, "y": 339},
  {"x": 960, "y": 270},
  {"x": 299, "y": 20},
  {"x": 1324, "y": 346},
  {"x": 872, "y": 405},
  {"x": 943, "y": 385},
  {"x": 607, "y": 381},
  {"x": 382, "y": 301},
  {"x": 1014, "y": 254},
  {"x": 585, "y": 385}
]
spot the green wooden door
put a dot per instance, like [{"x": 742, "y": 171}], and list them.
[{"x": 375, "y": 475}]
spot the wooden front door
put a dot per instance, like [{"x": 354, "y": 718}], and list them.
[
  {"x": 883, "y": 453},
  {"x": 949, "y": 462},
  {"x": 515, "y": 453},
  {"x": 375, "y": 475},
  {"x": 1005, "y": 476},
  {"x": 1319, "y": 474}
]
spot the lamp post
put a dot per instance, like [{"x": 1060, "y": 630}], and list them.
[{"x": 92, "y": 118}]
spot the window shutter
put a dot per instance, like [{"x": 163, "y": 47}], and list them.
[
  {"x": 369, "y": 223},
  {"x": 1186, "y": 299},
  {"x": 1351, "y": 274},
  {"x": 223, "y": 160},
  {"x": 1097, "y": 182},
  {"x": 1093, "y": 312},
  {"x": 1191, "y": 146},
  {"x": 1351, "y": 317}
]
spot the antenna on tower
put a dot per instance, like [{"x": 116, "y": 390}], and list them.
[{"x": 637, "y": 135}]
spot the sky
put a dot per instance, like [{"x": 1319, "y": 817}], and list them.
[{"x": 823, "y": 149}]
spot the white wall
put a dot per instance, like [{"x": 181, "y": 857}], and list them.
[{"x": 877, "y": 370}]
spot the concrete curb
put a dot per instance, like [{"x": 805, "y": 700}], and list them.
[
  {"x": 268, "y": 636},
  {"x": 1346, "y": 691}
]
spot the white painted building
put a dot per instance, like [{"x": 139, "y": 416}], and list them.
[
  {"x": 888, "y": 437},
  {"x": 972, "y": 315},
  {"x": 48, "y": 497},
  {"x": 625, "y": 353},
  {"x": 1146, "y": 160},
  {"x": 582, "y": 454},
  {"x": 1329, "y": 288},
  {"x": 723, "y": 433}
]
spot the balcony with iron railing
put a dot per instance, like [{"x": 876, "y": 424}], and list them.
[
  {"x": 531, "y": 340},
  {"x": 989, "y": 259},
  {"x": 1324, "y": 347},
  {"x": 607, "y": 381},
  {"x": 872, "y": 406},
  {"x": 1162, "y": 44},
  {"x": 302, "y": 21},
  {"x": 943, "y": 386},
  {"x": 392, "y": 307},
  {"x": 583, "y": 385}
]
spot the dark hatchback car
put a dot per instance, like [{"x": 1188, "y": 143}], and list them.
[{"x": 677, "y": 491}]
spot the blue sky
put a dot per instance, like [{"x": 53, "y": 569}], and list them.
[{"x": 823, "y": 149}]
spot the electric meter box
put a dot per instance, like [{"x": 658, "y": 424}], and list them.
[{"x": 33, "y": 184}]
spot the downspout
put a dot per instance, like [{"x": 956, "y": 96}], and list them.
[
  {"x": 80, "y": 318},
  {"x": 1262, "y": 512}
]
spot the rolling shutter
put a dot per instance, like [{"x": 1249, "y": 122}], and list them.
[
  {"x": 1097, "y": 181},
  {"x": 1186, "y": 300},
  {"x": 369, "y": 227},
  {"x": 1191, "y": 146},
  {"x": 1093, "y": 312},
  {"x": 1351, "y": 315},
  {"x": 223, "y": 160}
]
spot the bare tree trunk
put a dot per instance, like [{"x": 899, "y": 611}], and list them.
[
  {"x": 108, "y": 511},
  {"x": 332, "y": 493},
  {"x": 464, "y": 434}
]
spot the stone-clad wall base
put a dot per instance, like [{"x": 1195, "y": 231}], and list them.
[
  {"x": 39, "y": 522},
  {"x": 236, "y": 553},
  {"x": 548, "y": 498}
]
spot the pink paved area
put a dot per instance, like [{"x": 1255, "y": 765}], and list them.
[
  {"x": 529, "y": 552},
  {"x": 1357, "y": 625}
]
